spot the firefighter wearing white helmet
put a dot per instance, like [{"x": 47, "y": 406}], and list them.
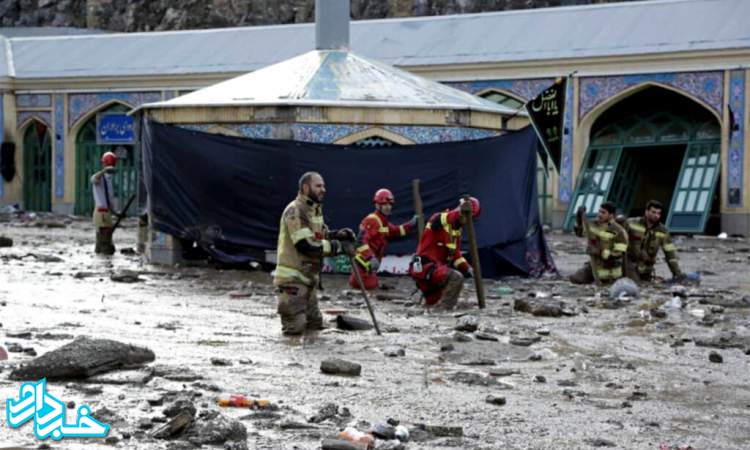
[{"x": 104, "y": 203}]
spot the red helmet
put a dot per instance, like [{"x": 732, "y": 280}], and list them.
[
  {"x": 109, "y": 159},
  {"x": 476, "y": 208},
  {"x": 383, "y": 196}
]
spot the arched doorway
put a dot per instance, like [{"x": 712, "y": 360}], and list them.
[
  {"x": 37, "y": 167},
  {"x": 654, "y": 144},
  {"x": 88, "y": 155}
]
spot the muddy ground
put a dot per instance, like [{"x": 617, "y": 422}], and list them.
[{"x": 611, "y": 374}]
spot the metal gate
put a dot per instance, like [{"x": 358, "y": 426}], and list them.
[
  {"x": 693, "y": 194},
  {"x": 37, "y": 168}
]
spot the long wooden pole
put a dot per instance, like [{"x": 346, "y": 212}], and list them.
[
  {"x": 474, "y": 251},
  {"x": 361, "y": 284},
  {"x": 418, "y": 207}
]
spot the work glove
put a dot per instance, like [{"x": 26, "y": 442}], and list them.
[
  {"x": 605, "y": 253},
  {"x": 345, "y": 234},
  {"x": 621, "y": 219},
  {"x": 374, "y": 264},
  {"x": 580, "y": 212},
  {"x": 465, "y": 207},
  {"x": 336, "y": 248},
  {"x": 469, "y": 272},
  {"x": 347, "y": 248},
  {"x": 414, "y": 220}
]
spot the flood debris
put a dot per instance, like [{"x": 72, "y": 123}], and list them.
[
  {"x": 6, "y": 241},
  {"x": 83, "y": 358},
  {"x": 346, "y": 322},
  {"x": 335, "y": 366}
]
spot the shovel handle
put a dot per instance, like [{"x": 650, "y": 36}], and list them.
[
  {"x": 417, "y": 207},
  {"x": 478, "y": 283},
  {"x": 361, "y": 284}
]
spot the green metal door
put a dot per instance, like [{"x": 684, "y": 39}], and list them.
[
  {"x": 594, "y": 181},
  {"x": 88, "y": 156},
  {"x": 37, "y": 168},
  {"x": 693, "y": 195},
  {"x": 626, "y": 180}
]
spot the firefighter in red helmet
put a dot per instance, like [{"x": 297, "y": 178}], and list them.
[
  {"x": 374, "y": 233},
  {"x": 104, "y": 202},
  {"x": 438, "y": 266}
]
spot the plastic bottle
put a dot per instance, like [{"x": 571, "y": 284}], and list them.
[
  {"x": 241, "y": 401},
  {"x": 364, "y": 441}
]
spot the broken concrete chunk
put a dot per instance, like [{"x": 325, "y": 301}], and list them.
[
  {"x": 467, "y": 323},
  {"x": 344, "y": 322}
]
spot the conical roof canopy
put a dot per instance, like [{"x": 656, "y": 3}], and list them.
[{"x": 333, "y": 78}]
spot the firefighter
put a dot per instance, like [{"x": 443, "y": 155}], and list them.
[
  {"x": 104, "y": 202},
  {"x": 438, "y": 266},
  {"x": 304, "y": 239},
  {"x": 646, "y": 235},
  {"x": 374, "y": 233},
  {"x": 606, "y": 244}
]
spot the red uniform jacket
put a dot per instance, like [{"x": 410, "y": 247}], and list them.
[
  {"x": 375, "y": 231},
  {"x": 441, "y": 242}
]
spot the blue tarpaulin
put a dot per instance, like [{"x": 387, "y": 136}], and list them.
[{"x": 227, "y": 193}]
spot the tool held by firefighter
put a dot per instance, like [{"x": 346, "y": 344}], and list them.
[
  {"x": 418, "y": 207},
  {"x": 364, "y": 293},
  {"x": 104, "y": 199},
  {"x": 473, "y": 250},
  {"x": 123, "y": 212}
]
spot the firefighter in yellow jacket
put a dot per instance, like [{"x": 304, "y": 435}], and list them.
[
  {"x": 304, "y": 239},
  {"x": 646, "y": 235},
  {"x": 606, "y": 245}
]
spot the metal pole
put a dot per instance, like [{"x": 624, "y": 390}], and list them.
[
  {"x": 474, "y": 252},
  {"x": 418, "y": 208},
  {"x": 358, "y": 277}
]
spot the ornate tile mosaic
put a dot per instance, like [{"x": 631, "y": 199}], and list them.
[
  {"x": 42, "y": 116},
  {"x": 706, "y": 86},
  {"x": 525, "y": 88},
  {"x": 253, "y": 130},
  {"x": 59, "y": 163},
  {"x": 81, "y": 104},
  {"x": 33, "y": 100},
  {"x": 737, "y": 92},
  {"x": 2, "y": 137},
  {"x": 565, "y": 182}
]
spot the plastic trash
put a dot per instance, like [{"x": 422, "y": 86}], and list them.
[
  {"x": 624, "y": 288},
  {"x": 242, "y": 401},
  {"x": 674, "y": 304},
  {"x": 722, "y": 235},
  {"x": 402, "y": 433},
  {"x": 364, "y": 441},
  {"x": 503, "y": 290}
]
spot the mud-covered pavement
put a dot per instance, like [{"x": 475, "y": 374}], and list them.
[{"x": 611, "y": 374}]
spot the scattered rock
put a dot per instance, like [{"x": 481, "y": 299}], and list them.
[
  {"x": 345, "y": 322},
  {"x": 220, "y": 362},
  {"x": 566, "y": 383},
  {"x": 180, "y": 405},
  {"x": 525, "y": 341},
  {"x": 539, "y": 307},
  {"x": 461, "y": 337},
  {"x": 543, "y": 331},
  {"x": 126, "y": 276},
  {"x": 723, "y": 341},
  {"x": 599, "y": 442},
  {"x": 468, "y": 323},
  {"x": 18, "y": 334},
  {"x": 215, "y": 428},
  {"x": 715, "y": 357},
  {"x": 477, "y": 379},
  {"x": 384, "y": 431},
  {"x": 495, "y": 400},
  {"x": 447, "y": 347},
  {"x": 335, "y": 366},
  {"x": 338, "y": 444},
  {"x": 393, "y": 444},
  {"x": 482, "y": 336},
  {"x": 176, "y": 373},
  {"x": 6, "y": 241},
  {"x": 83, "y": 358},
  {"x": 394, "y": 351},
  {"x": 442, "y": 430},
  {"x": 29, "y": 351},
  {"x": 540, "y": 379},
  {"x": 504, "y": 372},
  {"x": 175, "y": 426},
  {"x": 54, "y": 336}
]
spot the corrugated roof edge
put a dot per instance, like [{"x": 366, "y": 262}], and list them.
[{"x": 355, "y": 22}]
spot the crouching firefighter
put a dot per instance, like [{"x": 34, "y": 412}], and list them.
[
  {"x": 304, "y": 239},
  {"x": 438, "y": 266},
  {"x": 104, "y": 202},
  {"x": 374, "y": 233}
]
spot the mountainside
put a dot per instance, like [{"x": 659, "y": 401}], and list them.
[{"x": 146, "y": 15}]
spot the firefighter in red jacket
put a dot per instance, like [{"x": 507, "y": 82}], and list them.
[
  {"x": 438, "y": 266},
  {"x": 374, "y": 233}
]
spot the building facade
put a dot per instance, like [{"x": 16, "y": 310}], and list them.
[{"x": 656, "y": 107}]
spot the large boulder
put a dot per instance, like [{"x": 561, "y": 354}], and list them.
[{"x": 82, "y": 358}]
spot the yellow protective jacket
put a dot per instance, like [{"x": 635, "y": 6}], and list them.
[
  {"x": 644, "y": 244},
  {"x": 606, "y": 245},
  {"x": 302, "y": 219}
]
